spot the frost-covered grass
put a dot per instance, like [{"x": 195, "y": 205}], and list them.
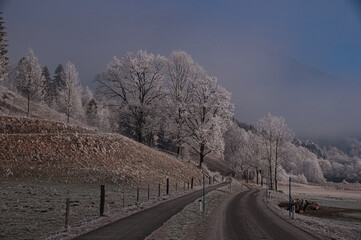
[
  {"x": 42, "y": 163},
  {"x": 190, "y": 223},
  {"x": 35, "y": 210},
  {"x": 347, "y": 227},
  {"x": 13, "y": 104}
]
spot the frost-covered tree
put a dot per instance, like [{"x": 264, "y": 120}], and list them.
[
  {"x": 3, "y": 51},
  {"x": 255, "y": 152},
  {"x": 59, "y": 79},
  {"x": 106, "y": 119},
  {"x": 87, "y": 96},
  {"x": 30, "y": 79},
  {"x": 299, "y": 161},
  {"x": 70, "y": 96},
  {"x": 49, "y": 87},
  {"x": 208, "y": 116},
  {"x": 10, "y": 80},
  {"x": 181, "y": 71},
  {"x": 275, "y": 133},
  {"x": 136, "y": 81},
  {"x": 233, "y": 138}
]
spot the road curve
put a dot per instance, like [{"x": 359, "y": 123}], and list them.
[
  {"x": 142, "y": 224},
  {"x": 245, "y": 216}
]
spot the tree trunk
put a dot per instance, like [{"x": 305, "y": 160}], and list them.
[
  {"x": 270, "y": 168},
  {"x": 257, "y": 175},
  {"x": 68, "y": 107},
  {"x": 140, "y": 136},
  {"x": 201, "y": 155},
  {"x": 270, "y": 175},
  {"x": 276, "y": 176},
  {"x": 178, "y": 151},
  {"x": 28, "y": 111},
  {"x": 276, "y": 165}
]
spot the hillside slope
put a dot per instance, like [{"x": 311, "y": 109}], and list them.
[
  {"x": 13, "y": 104},
  {"x": 57, "y": 152}
]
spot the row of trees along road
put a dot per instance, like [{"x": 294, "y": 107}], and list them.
[{"x": 174, "y": 96}]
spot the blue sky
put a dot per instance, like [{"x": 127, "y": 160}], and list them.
[{"x": 299, "y": 59}]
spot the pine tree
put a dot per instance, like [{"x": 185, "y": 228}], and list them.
[
  {"x": 3, "y": 51},
  {"x": 92, "y": 112},
  {"x": 59, "y": 79},
  {"x": 49, "y": 87}
]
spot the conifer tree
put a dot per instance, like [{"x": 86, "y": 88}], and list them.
[
  {"x": 92, "y": 112},
  {"x": 3, "y": 51},
  {"x": 49, "y": 87},
  {"x": 59, "y": 79}
]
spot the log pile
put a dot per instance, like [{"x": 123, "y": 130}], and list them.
[{"x": 301, "y": 205}]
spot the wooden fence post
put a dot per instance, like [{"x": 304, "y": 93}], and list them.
[
  {"x": 176, "y": 186},
  {"x": 137, "y": 194},
  {"x": 102, "y": 199},
  {"x": 192, "y": 183},
  {"x": 123, "y": 198},
  {"x": 67, "y": 213},
  {"x": 167, "y": 191},
  {"x": 148, "y": 192},
  {"x": 159, "y": 190}
]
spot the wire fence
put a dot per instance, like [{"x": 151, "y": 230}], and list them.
[{"x": 34, "y": 210}]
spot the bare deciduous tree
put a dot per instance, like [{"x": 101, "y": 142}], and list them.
[{"x": 136, "y": 82}]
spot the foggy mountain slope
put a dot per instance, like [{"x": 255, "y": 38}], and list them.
[{"x": 76, "y": 156}]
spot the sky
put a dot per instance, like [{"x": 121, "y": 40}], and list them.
[{"x": 296, "y": 59}]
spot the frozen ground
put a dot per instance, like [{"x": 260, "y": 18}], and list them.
[
  {"x": 349, "y": 227},
  {"x": 190, "y": 223},
  {"x": 42, "y": 163},
  {"x": 37, "y": 210}
]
